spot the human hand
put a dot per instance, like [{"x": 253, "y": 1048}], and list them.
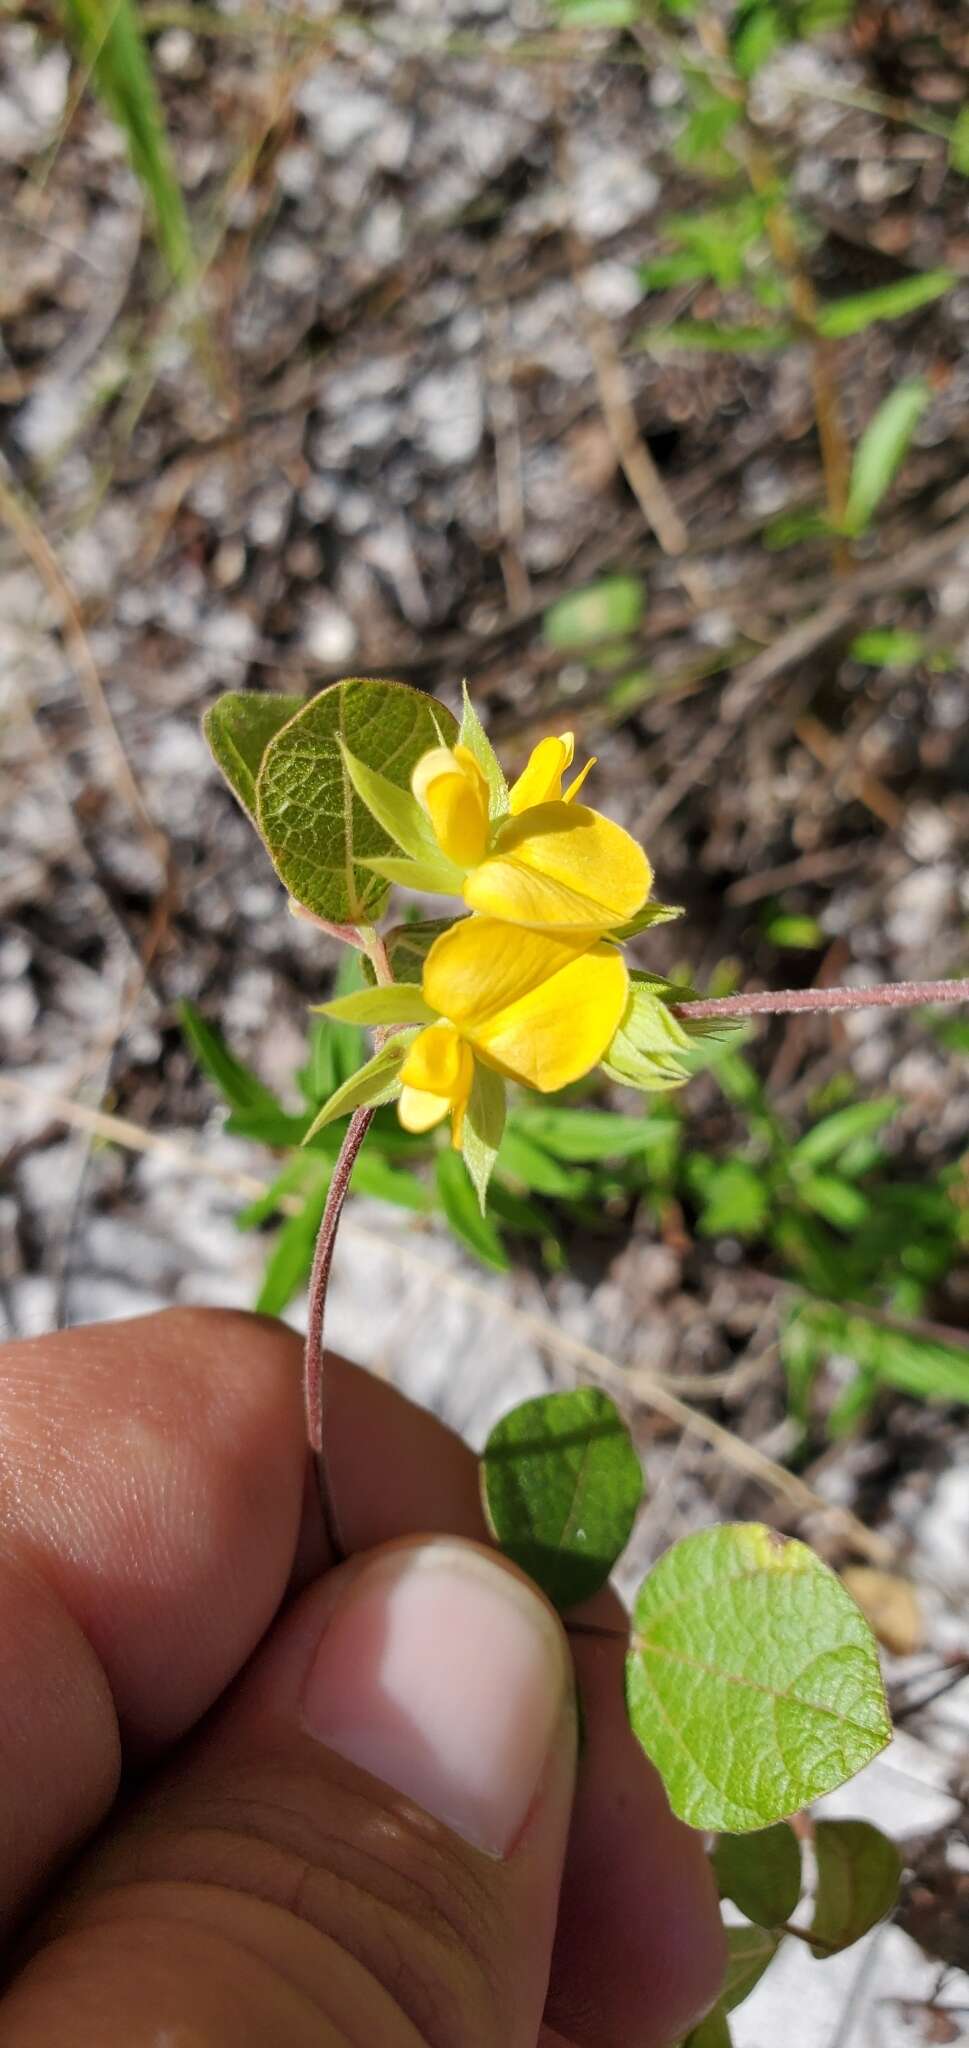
[{"x": 346, "y": 1791}]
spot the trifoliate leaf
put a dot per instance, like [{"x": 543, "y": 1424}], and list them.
[
  {"x": 321, "y": 836},
  {"x": 561, "y": 1484},
  {"x": 858, "y": 1875},
  {"x": 484, "y": 1122},
  {"x": 377, "y": 1082},
  {"x": 239, "y": 727},
  {"x": 473, "y": 736},
  {"x": 761, "y": 1873},
  {"x": 752, "y": 1679}
]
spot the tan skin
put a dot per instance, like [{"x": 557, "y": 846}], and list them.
[{"x": 195, "y": 1886}]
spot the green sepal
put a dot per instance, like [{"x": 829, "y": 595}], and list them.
[
  {"x": 433, "y": 876},
  {"x": 651, "y": 913},
  {"x": 401, "y": 1003},
  {"x": 377, "y": 1082},
  {"x": 473, "y": 736},
  {"x": 644, "y": 1052},
  {"x": 484, "y": 1123},
  {"x": 397, "y": 810}
]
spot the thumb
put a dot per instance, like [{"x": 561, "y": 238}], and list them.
[{"x": 364, "y": 1845}]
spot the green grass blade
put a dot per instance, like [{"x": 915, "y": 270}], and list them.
[{"x": 108, "y": 35}]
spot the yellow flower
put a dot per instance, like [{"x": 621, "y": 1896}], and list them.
[
  {"x": 547, "y": 862},
  {"x": 437, "y": 1078},
  {"x": 535, "y": 1007}
]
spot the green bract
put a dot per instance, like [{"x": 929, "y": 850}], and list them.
[
  {"x": 322, "y": 838},
  {"x": 752, "y": 1678},
  {"x": 561, "y": 1484}
]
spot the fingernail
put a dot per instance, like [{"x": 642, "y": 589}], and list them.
[{"x": 443, "y": 1674}]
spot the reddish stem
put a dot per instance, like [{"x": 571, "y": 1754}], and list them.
[
  {"x": 885, "y": 995},
  {"x": 313, "y": 1376}
]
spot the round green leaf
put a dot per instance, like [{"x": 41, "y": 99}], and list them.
[
  {"x": 239, "y": 727},
  {"x": 561, "y": 1484},
  {"x": 752, "y": 1679},
  {"x": 761, "y": 1873},
  {"x": 858, "y": 1874},
  {"x": 749, "y": 1950},
  {"x": 318, "y": 830}
]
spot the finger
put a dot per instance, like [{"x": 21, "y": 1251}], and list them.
[
  {"x": 150, "y": 1489},
  {"x": 364, "y": 1846},
  {"x": 640, "y": 1953}
]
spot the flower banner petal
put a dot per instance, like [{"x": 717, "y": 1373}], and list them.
[{"x": 561, "y": 864}]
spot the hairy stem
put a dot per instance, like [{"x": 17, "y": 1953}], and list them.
[
  {"x": 885, "y": 995},
  {"x": 357, "y": 1129}
]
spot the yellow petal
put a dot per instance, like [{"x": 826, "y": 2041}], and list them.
[
  {"x": 561, "y": 1029},
  {"x": 569, "y": 795},
  {"x": 419, "y": 1111},
  {"x": 542, "y": 778},
  {"x": 562, "y": 866},
  {"x": 482, "y": 965},
  {"x": 452, "y": 790},
  {"x": 437, "y": 1061}
]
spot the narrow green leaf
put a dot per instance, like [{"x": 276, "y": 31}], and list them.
[
  {"x": 320, "y": 835},
  {"x": 959, "y": 143},
  {"x": 303, "y": 1171},
  {"x": 396, "y": 809},
  {"x": 587, "y": 1136},
  {"x": 836, "y": 1200},
  {"x": 604, "y": 610},
  {"x": 484, "y": 1123},
  {"x": 761, "y": 1873},
  {"x": 858, "y": 1877},
  {"x": 707, "y": 336},
  {"x": 736, "y": 1201},
  {"x": 888, "y": 647},
  {"x": 537, "y": 1169},
  {"x": 827, "y": 1139},
  {"x": 374, "y": 1083},
  {"x": 881, "y": 451},
  {"x": 841, "y": 317},
  {"x": 752, "y": 1679},
  {"x": 561, "y": 1484},
  {"x": 288, "y": 1267},
  {"x": 461, "y": 1207},
  {"x": 791, "y": 929},
  {"x": 749, "y": 1950},
  {"x": 372, "y": 1176},
  {"x": 399, "y": 1003},
  {"x": 473, "y": 736},
  {"x": 239, "y": 727},
  {"x": 109, "y": 35},
  {"x": 240, "y": 1086}
]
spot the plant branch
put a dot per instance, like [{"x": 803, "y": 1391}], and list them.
[{"x": 778, "y": 1002}]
